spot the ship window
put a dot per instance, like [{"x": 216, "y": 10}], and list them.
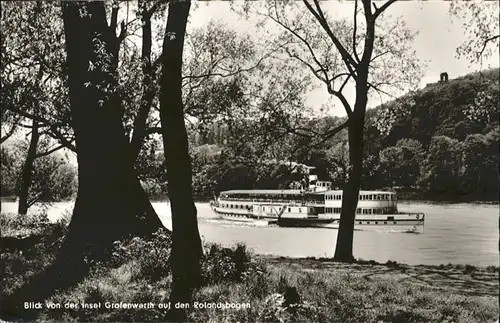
[
  {"x": 359, "y": 222},
  {"x": 300, "y": 209},
  {"x": 289, "y": 210},
  {"x": 231, "y": 206},
  {"x": 376, "y": 222},
  {"x": 394, "y": 222},
  {"x": 390, "y": 218},
  {"x": 385, "y": 222},
  {"x": 358, "y": 210},
  {"x": 368, "y": 222}
]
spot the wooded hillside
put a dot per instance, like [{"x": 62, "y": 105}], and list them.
[{"x": 440, "y": 142}]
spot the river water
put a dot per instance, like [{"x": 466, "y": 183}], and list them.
[{"x": 454, "y": 233}]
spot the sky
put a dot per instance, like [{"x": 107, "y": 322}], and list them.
[{"x": 438, "y": 37}]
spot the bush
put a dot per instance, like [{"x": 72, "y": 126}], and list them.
[
  {"x": 152, "y": 255},
  {"x": 225, "y": 264}
]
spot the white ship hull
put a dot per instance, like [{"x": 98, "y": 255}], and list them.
[{"x": 399, "y": 225}]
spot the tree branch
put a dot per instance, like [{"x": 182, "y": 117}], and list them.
[
  {"x": 46, "y": 123},
  {"x": 315, "y": 72},
  {"x": 9, "y": 133},
  {"x": 342, "y": 99},
  {"x": 380, "y": 10},
  {"x": 344, "y": 84},
  {"x": 152, "y": 130},
  {"x": 346, "y": 57},
  {"x": 355, "y": 31},
  {"x": 148, "y": 92},
  {"x": 321, "y": 67},
  {"x": 376, "y": 88},
  {"x": 114, "y": 16},
  {"x": 330, "y": 133},
  {"x": 50, "y": 151},
  {"x": 123, "y": 33},
  {"x": 379, "y": 55},
  {"x": 485, "y": 43}
]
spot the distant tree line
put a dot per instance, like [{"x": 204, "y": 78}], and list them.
[{"x": 441, "y": 144}]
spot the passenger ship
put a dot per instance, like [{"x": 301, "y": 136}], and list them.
[{"x": 317, "y": 206}]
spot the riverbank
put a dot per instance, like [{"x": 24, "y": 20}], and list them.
[{"x": 250, "y": 287}]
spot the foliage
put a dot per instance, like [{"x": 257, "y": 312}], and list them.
[
  {"x": 224, "y": 264},
  {"x": 54, "y": 178},
  {"x": 480, "y": 24},
  {"x": 152, "y": 255},
  {"x": 10, "y": 174}
]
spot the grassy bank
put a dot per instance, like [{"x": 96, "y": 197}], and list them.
[{"x": 254, "y": 288}]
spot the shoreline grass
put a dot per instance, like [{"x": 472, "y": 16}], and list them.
[{"x": 257, "y": 288}]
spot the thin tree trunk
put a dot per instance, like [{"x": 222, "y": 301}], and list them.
[
  {"x": 343, "y": 249},
  {"x": 148, "y": 91},
  {"x": 345, "y": 237},
  {"x": 27, "y": 170},
  {"x": 186, "y": 242}
]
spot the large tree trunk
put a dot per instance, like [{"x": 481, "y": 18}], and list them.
[
  {"x": 350, "y": 193},
  {"x": 186, "y": 242},
  {"x": 27, "y": 170},
  {"x": 110, "y": 202}
]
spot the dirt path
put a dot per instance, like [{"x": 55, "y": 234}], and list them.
[{"x": 462, "y": 280}]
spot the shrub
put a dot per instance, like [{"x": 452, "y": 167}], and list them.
[
  {"x": 152, "y": 255},
  {"x": 225, "y": 264}
]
